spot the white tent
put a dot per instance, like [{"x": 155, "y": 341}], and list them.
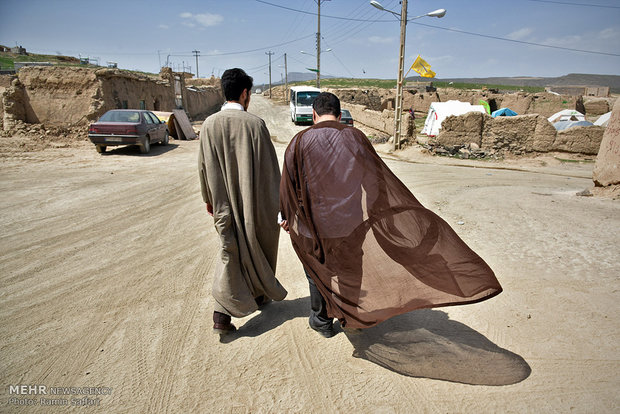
[
  {"x": 566, "y": 115},
  {"x": 439, "y": 111},
  {"x": 603, "y": 120}
]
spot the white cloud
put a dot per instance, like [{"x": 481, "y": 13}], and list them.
[
  {"x": 203, "y": 19},
  {"x": 164, "y": 26},
  {"x": 209, "y": 19},
  {"x": 379, "y": 39},
  {"x": 437, "y": 59},
  {"x": 609, "y": 33},
  {"x": 566, "y": 41},
  {"x": 520, "y": 34}
]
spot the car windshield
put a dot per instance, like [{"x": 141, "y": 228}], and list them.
[
  {"x": 345, "y": 113},
  {"x": 120, "y": 116},
  {"x": 306, "y": 98}
]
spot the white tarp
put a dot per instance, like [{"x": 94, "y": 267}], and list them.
[
  {"x": 603, "y": 120},
  {"x": 439, "y": 111},
  {"x": 562, "y": 125},
  {"x": 567, "y": 115}
]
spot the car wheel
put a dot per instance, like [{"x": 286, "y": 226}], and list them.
[
  {"x": 145, "y": 147},
  {"x": 101, "y": 148},
  {"x": 166, "y": 139}
]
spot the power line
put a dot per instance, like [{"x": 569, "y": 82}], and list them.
[
  {"x": 575, "y": 4},
  {"x": 260, "y": 49},
  {"x": 593, "y": 52},
  {"x": 323, "y": 15},
  {"x": 338, "y": 59},
  {"x": 517, "y": 41}
]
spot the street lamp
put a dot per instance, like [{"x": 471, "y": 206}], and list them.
[
  {"x": 318, "y": 66},
  {"x": 401, "y": 61},
  {"x": 310, "y": 54}
]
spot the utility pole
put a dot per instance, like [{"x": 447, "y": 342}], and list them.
[
  {"x": 318, "y": 48},
  {"x": 286, "y": 80},
  {"x": 318, "y": 45},
  {"x": 269, "y": 54},
  {"x": 399, "y": 86},
  {"x": 196, "y": 52}
]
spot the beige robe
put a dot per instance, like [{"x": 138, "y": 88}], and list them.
[{"x": 239, "y": 177}]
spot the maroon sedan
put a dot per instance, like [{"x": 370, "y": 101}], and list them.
[{"x": 128, "y": 127}]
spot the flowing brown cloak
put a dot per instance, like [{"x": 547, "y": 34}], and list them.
[
  {"x": 239, "y": 176},
  {"x": 371, "y": 248}
]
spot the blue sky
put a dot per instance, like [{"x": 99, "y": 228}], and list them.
[{"x": 143, "y": 35}]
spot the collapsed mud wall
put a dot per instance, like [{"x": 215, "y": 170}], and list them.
[
  {"x": 66, "y": 96},
  {"x": 528, "y": 133},
  {"x": 517, "y": 135},
  {"x": 607, "y": 167},
  {"x": 203, "y": 101},
  {"x": 50, "y": 95},
  {"x": 119, "y": 89},
  {"x": 381, "y": 121},
  {"x": 545, "y": 104}
]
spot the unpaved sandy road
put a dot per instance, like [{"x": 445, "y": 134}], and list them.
[{"x": 106, "y": 272}]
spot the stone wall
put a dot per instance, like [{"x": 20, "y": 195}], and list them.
[
  {"x": 517, "y": 134},
  {"x": 580, "y": 140},
  {"x": 543, "y": 103},
  {"x": 597, "y": 106},
  {"x": 379, "y": 120}
]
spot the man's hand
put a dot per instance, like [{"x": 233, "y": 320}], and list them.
[
  {"x": 284, "y": 225},
  {"x": 210, "y": 209}
]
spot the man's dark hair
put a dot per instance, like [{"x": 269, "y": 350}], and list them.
[
  {"x": 234, "y": 81},
  {"x": 326, "y": 104}
]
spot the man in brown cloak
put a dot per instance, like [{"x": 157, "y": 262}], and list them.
[
  {"x": 239, "y": 178},
  {"x": 369, "y": 248}
]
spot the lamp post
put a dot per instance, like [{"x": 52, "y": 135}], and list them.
[
  {"x": 401, "y": 61},
  {"x": 318, "y": 69}
]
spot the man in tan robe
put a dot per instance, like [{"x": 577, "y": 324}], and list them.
[
  {"x": 370, "y": 250},
  {"x": 239, "y": 179}
]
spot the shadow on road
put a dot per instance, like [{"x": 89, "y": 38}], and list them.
[
  {"x": 427, "y": 344},
  {"x": 270, "y": 317},
  {"x": 423, "y": 343},
  {"x": 156, "y": 149}
]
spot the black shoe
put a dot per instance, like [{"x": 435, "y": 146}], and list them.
[
  {"x": 325, "y": 331},
  {"x": 262, "y": 301},
  {"x": 221, "y": 323},
  {"x": 223, "y": 329}
]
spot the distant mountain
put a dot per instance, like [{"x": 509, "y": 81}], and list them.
[
  {"x": 296, "y": 77},
  {"x": 572, "y": 79}
]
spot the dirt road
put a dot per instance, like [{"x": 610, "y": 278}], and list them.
[{"x": 106, "y": 272}]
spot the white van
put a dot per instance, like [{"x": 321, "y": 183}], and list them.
[{"x": 301, "y": 103}]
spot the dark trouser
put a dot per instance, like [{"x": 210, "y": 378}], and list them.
[{"x": 318, "y": 316}]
